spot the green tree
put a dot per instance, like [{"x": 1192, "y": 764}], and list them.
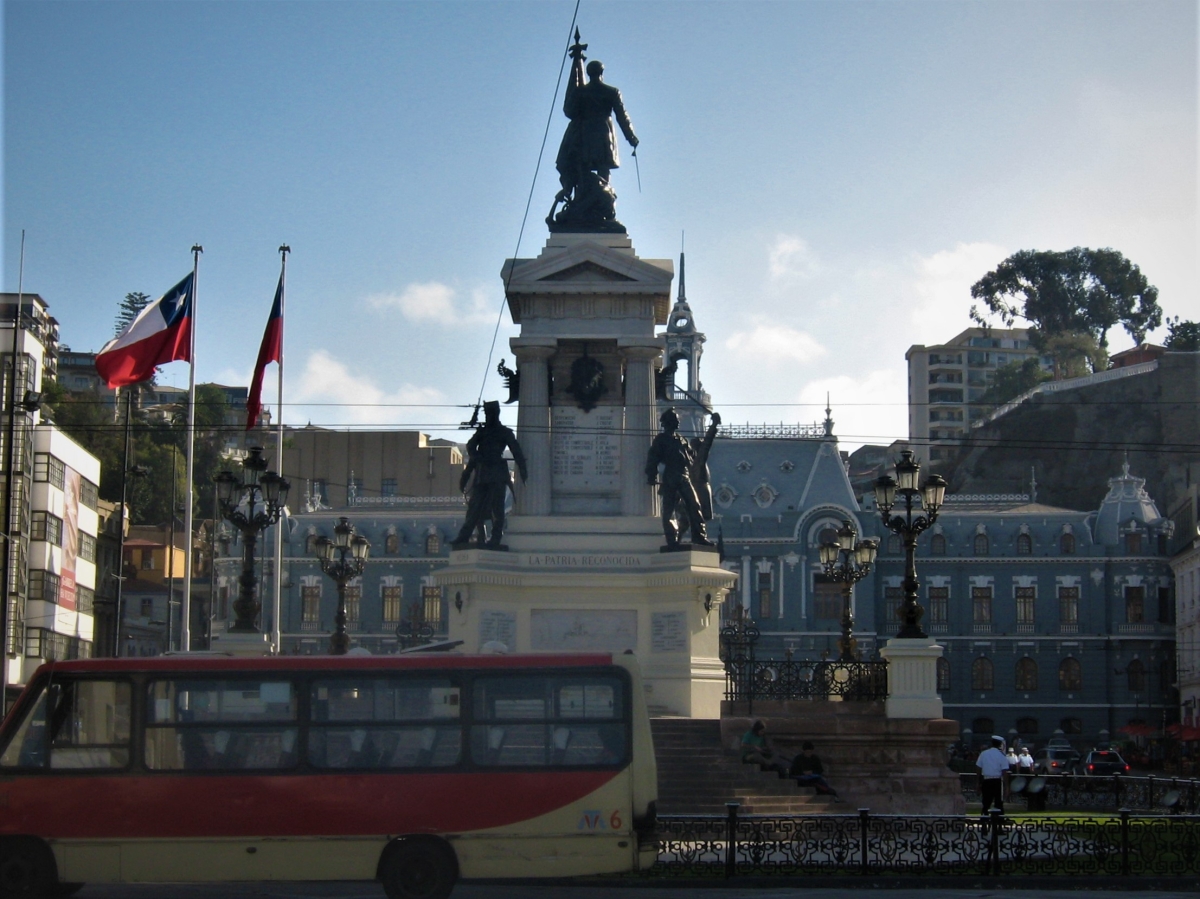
[
  {"x": 1012, "y": 380},
  {"x": 1182, "y": 335},
  {"x": 129, "y": 309},
  {"x": 1077, "y": 294}
]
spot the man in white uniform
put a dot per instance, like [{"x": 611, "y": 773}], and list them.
[{"x": 993, "y": 765}]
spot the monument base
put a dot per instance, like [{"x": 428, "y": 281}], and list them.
[
  {"x": 912, "y": 678},
  {"x": 238, "y": 643},
  {"x": 887, "y": 765},
  {"x": 599, "y": 584}
]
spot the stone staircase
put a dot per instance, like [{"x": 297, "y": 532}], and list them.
[{"x": 697, "y": 775}]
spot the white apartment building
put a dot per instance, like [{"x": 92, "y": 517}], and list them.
[
  {"x": 946, "y": 381},
  {"x": 51, "y": 546},
  {"x": 63, "y": 526}
]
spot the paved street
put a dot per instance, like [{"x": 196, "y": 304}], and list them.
[{"x": 523, "y": 891}]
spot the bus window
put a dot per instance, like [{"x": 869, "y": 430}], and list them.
[
  {"x": 89, "y": 724},
  {"x": 374, "y": 722},
  {"x": 548, "y": 721},
  {"x": 27, "y": 748},
  {"x": 231, "y": 724}
]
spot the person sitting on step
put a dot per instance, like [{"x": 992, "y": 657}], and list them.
[
  {"x": 757, "y": 749},
  {"x": 809, "y": 772}
]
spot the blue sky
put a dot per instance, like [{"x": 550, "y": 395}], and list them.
[{"x": 843, "y": 172}]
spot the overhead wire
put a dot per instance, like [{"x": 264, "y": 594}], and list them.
[{"x": 487, "y": 368}]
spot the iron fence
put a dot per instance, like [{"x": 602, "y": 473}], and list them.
[
  {"x": 1077, "y": 791},
  {"x": 749, "y": 680},
  {"x": 1119, "y": 845}
]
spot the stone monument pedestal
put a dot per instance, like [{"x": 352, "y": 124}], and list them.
[
  {"x": 584, "y": 571},
  {"x": 598, "y": 584},
  {"x": 912, "y": 678}
]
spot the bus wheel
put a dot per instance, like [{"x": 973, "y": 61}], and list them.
[
  {"x": 418, "y": 869},
  {"x": 27, "y": 868}
]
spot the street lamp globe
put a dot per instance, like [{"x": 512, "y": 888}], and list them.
[
  {"x": 933, "y": 493},
  {"x": 360, "y": 547},
  {"x": 885, "y": 492}
]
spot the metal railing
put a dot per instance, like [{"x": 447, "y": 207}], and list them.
[
  {"x": 749, "y": 679},
  {"x": 1084, "y": 792},
  {"x": 1122, "y": 845},
  {"x": 765, "y": 679}
]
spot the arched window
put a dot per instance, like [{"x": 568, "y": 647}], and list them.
[
  {"x": 1136, "y": 672},
  {"x": 1071, "y": 725},
  {"x": 943, "y": 675},
  {"x": 1024, "y": 545},
  {"x": 433, "y": 545},
  {"x": 981, "y": 674},
  {"x": 983, "y": 727},
  {"x": 1070, "y": 675},
  {"x": 827, "y": 535},
  {"x": 391, "y": 544},
  {"x": 1027, "y": 727},
  {"x": 893, "y": 545},
  {"x": 937, "y": 546},
  {"x": 310, "y": 544},
  {"x": 1066, "y": 544},
  {"x": 1026, "y": 675},
  {"x": 981, "y": 544}
]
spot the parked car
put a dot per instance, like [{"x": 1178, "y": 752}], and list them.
[
  {"x": 1055, "y": 760},
  {"x": 1102, "y": 762}
]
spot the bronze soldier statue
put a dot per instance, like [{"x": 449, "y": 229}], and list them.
[
  {"x": 588, "y": 152},
  {"x": 675, "y": 455},
  {"x": 701, "y": 446},
  {"x": 492, "y": 479}
]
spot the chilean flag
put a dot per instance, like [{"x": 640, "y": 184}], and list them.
[
  {"x": 161, "y": 333},
  {"x": 270, "y": 351}
]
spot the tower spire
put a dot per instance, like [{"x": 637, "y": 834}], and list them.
[{"x": 828, "y": 417}]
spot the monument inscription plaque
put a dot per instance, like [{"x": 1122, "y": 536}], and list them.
[
  {"x": 586, "y": 449},
  {"x": 611, "y": 630},
  {"x": 668, "y": 632},
  {"x": 496, "y": 626}
]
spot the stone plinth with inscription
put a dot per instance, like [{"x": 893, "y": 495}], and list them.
[{"x": 583, "y": 571}]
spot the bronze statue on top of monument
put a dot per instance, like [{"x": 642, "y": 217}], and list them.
[
  {"x": 681, "y": 467},
  {"x": 589, "y": 151},
  {"x": 492, "y": 479}
]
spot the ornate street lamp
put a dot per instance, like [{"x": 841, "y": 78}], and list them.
[
  {"x": 251, "y": 504},
  {"x": 847, "y": 561},
  {"x": 343, "y": 558},
  {"x": 903, "y": 487}
]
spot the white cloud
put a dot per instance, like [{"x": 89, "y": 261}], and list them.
[
  {"x": 791, "y": 257},
  {"x": 358, "y": 400},
  {"x": 867, "y": 408},
  {"x": 774, "y": 345},
  {"x": 437, "y": 303},
  {"x": 941, "y": 287}
]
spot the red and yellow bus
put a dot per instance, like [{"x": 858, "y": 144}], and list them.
[{"x": 414, "y": 770}]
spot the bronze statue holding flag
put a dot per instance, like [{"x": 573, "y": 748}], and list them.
[{"x": 588, "y": 152}]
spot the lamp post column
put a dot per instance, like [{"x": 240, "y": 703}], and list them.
[
  {"x": 533, "y": 427},
  {"x": 638, "y": 497},
  {"x": 246, "y": 605},
  {"x": 339, "y": 640}
]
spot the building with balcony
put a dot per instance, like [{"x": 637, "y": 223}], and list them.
[
  {"x": 946, "y": 381},
  {"x": 400, "y": 490}
]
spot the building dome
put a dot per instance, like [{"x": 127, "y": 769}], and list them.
[{"x": 1126, "y": 505}]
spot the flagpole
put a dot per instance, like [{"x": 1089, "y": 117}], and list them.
[
  {"x": 277, "y": 599},
  {"x": 185, "y": 612}
]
